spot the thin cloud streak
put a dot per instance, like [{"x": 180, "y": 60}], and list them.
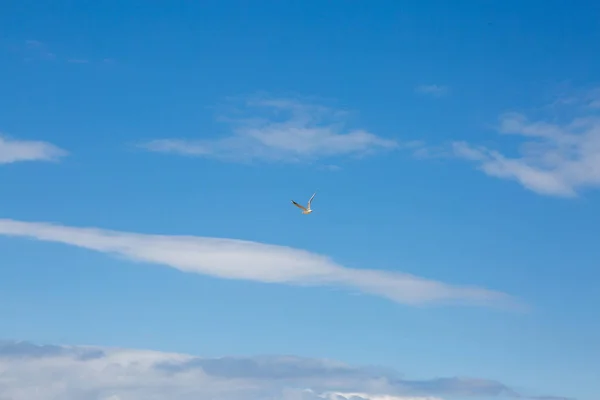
[
  {"x": 78, "y": 61},
  {"x": 36, "y": 50},
  {"x": 432, "y": 90},
  {"x": 13, "y": 150},
  {"x": 280, "y": 130},
  {"x": 239, "y": 259}
]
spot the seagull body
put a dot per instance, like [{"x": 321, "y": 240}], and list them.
[{"x": 305, "y": 210}]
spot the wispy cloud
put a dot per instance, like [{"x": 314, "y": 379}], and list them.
[
  {"x": 33, "y": 43},
  {"x": 592, "y": 99},
  {"x": 239, "y": 259},
  {"x": 36, "y": 50},
  {"x": 586, "y": 99},
  {"x": 432, "y": 90},
  {"x": 13, "y": 150},
  {"x": 280, "y": 130},
  {"x": 78, "y": 61},
  {"x": 556, "y": 159},
  {"x": 87, "y": 372},
  {"x": 557, "y": 156}
]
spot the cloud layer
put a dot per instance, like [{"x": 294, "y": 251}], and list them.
[
  {"x": 280, "y": 130},
  {"x": 555, "y": 158},
  {"x": 239, "y": 259},
  {"x": 48, "y": 372},
  {"x": 12, "y": 150}
]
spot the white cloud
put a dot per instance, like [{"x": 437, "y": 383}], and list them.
[
  {"x": 280, "y": 130},
  {"x": 366, "y": 396},
  {"x": 12, "y": 150},
  {"x": 49, "y": 372},
  {"x": 556, "y": 159},
  {"x": 432, "y": 90},
  {"x": 239, "y": 259}
]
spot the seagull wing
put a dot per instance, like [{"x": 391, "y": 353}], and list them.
[
  {"x": 298, "y": 205},
  {"x": 310, "y": 201}
]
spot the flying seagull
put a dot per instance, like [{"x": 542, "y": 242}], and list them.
[{"x": 305, "y": 210}]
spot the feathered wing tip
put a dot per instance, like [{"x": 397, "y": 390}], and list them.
[
  {"x": 298, "y": 205},
  {"x": 311, "y": 199}
]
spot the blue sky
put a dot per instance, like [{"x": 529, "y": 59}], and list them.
[{"x": 454, "y": 151}]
